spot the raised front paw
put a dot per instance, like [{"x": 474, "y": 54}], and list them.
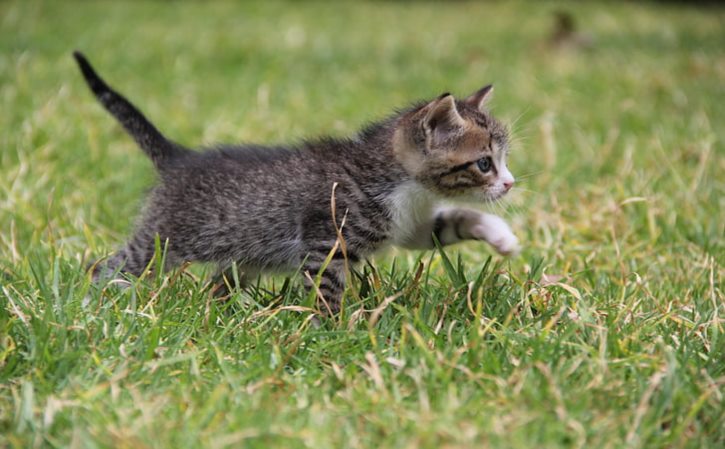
[
  {"x": 506, "y": 245},
  {"x": 497, "y": 233}
]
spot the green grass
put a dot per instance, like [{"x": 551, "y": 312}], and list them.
[{"x": 621, "y": 169}]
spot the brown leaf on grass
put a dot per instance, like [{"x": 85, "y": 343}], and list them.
[{"x": 549, "y": 279}]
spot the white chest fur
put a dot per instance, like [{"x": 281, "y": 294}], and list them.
[{"x": 410, "y": 205}]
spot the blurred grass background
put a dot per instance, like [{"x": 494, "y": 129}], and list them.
[{"x": 619, "y": 156}]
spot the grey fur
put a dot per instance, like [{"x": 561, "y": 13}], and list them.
[{"x": 269, "y": 208}]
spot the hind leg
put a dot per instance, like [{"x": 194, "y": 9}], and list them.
[{"x": 132, "y": 259}]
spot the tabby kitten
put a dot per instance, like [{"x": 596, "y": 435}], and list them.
[{"x": 269, "y": 208}]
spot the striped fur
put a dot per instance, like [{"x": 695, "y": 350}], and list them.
[{"x": 271, "y": 208}]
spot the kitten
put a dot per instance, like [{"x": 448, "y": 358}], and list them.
[{"x": 269, "y": 208}]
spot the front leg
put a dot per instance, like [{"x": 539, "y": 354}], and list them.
[
  {"x": 452, "y": 225},
  {"x": 332, "y": 279}
]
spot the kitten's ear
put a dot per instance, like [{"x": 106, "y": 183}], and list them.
[
  {"x": 479, "y": 98},
  {"x": 442, "y": 117}
]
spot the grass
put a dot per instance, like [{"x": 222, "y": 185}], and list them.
[{"x": 606, "y": 332}]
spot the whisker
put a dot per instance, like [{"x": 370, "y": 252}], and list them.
[
  {"x": 529, "y": 175},
  {"x": 495, "y": 206},
  {"x": 515, "y": 121},
  {"x": 518, "y": 138},
  {"x": 502, "y": 208},
  {"x": 521, "y": 189}
]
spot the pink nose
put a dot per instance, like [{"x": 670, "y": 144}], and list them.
[{"x": 507, "y": 185}]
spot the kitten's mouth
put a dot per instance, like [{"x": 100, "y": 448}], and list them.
[
  {"x": 480, "y": 196},
  {"x": 491, "y": 197}
]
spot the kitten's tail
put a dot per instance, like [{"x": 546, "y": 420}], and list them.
[{"x": 151, "y": 141}]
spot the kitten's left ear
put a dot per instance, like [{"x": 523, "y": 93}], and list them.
[
  {"x": 442, "y": 117},
  {"x": 479, "y": 98}
]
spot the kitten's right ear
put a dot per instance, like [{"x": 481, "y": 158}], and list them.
[
  {"x": 442, "y": 117},
  {"x": 479, "y": 98}
]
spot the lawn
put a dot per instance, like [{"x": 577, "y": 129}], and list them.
[{"x": 606, "y": 332}]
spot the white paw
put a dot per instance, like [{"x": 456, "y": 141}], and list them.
[
  {"x": 498, "y": 234},
  {"x": 507, "y": 245}
]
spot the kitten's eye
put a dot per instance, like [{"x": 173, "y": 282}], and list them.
[{"x": 484, "y": 164}]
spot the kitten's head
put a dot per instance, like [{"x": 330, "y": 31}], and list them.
[{"x": 455, "y": 148}]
